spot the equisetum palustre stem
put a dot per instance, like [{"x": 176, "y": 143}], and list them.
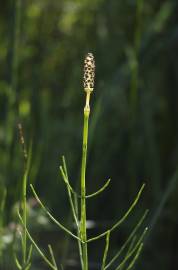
[{"x": 89, "y": 70}]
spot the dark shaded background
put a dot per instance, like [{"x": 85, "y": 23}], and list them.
[{"x": 133, "y": 127}]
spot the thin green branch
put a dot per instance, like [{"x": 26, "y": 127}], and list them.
[
  {"x": 29, "y": 253},
  {"x": 132, "y": 244},
  {"x": 127, "y": 257},
  {"x": 74, "y": 205},
  {"x": 130, "y": 248},
  {"x": 17, "y": 261},
  {"x": 89, "y": 195},
  {"x": 21, "y": 237},
  {"x": 129, "y": 210},
  {"x": 65, "y": 167},
  {"x": 75, "y": 193},
  {"x": 79, "y": 243},
  {"x": 51, "y": 217},
  {"x": 100, "y": 190},
  {"x": 128, "y": 240},
  {"x": 52, "y": 256},
  {"x": 36, "y": 246},
  {"x": 105, "y": 250},
  {"x": 96, "y": 237},
  {"x": 66, "y": 181},
  {"x": 132, "y": 263},
  {"x": 117, "y": 224},
  {"x": 28, "y": 266}
]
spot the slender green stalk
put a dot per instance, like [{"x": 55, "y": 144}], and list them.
[
  {"x": 105, "y": 250},
  {"x": 89, "y": 75},
  {"x": 26, "y": 255},
  {"x": 83, "y": 190},
  {"x": 24, "y": 208}
]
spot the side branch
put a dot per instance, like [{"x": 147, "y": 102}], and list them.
[
  {"x": 36, "y": 246},
  {"x": 99, "y": 191},
  {"x": 117, "y": 224},
  {"x": 76, "y": 194},
  {"x": 129, "y": 239},
  {"x": 51, "y": 217}
]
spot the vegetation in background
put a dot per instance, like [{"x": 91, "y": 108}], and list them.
[{"x": 135, "y": 44}]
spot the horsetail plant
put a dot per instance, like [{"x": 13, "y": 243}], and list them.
[
  {"x": 25, "y": 263},
  {"x": 89, "y": 74},
  {"x": 132, "y": 246}
]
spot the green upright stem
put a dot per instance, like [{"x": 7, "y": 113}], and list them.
[
  {"x": 24, "y": 207},
  {"x": 83, "y": 190}
]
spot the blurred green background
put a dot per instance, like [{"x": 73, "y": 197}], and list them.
[{"x": 133, "y": 125}]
